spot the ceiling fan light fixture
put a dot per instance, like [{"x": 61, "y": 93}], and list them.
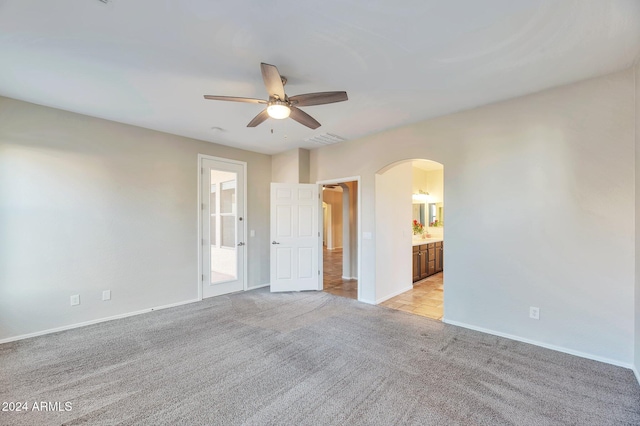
[
  {"x": 279, "y": 105},
  {"x": 278, "y": 110}
]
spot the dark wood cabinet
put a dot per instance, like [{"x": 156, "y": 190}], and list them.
[
  {"x": 416, "y": 263},
  {"x": 439, "y": 252},
  {"x": 427, "y": 260},
  {"x": 424, "y": 261},
  {"x": 431, "y": 268}
]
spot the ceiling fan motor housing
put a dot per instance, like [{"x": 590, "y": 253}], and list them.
[{"x": 278, "y": 109}]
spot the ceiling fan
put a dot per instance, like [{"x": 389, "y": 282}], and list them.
[{"x": 279, "y": 105}]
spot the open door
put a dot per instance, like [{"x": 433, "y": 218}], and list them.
[{"x": 295, "y": 237}]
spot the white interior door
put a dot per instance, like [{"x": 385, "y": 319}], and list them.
[
  {"x": 295, "y": 237},
  {"x": 222, "y": 218}
]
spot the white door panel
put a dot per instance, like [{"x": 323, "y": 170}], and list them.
[
  {"x": 295, "y": 237},
  {"x": 223, "y": 249}
]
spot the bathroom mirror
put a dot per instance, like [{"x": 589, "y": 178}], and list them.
[
  {"x": 419, "y": 213},
  {"x": 432, "y": 213},
  {"x": 436, "y": 213}
]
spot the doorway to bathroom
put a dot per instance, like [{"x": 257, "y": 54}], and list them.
[{"x": 410, "y": 224}]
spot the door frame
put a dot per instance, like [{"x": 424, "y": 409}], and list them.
[
  {"x": 242, "y": 214},
  {"x": 358, "y": 227}
]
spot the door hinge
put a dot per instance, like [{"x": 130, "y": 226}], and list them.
[
  {"x": 203, "y": 242},
  {"x": 202, "y": 170},
  {"x": 203, "y": 206},
  {"x": 202, "y": 277},
  {"x": 318, "y": 272}
]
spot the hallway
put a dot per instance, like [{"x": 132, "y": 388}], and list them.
[{"x": 332, "y": 279}]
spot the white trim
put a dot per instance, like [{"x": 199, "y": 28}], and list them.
[
  {"x": 244, "y": 219},
  {"x": 542, "y": 344},
  {"x": 259, "y": 286},
  {"x": 327, "y": 217},
  {"x": 339, "y": 180},
  {"x": 245, "y": 233},
  {"x": 378, "y": 301},
  {"x": 635, "y": 371},
  {"x": 96, "y": 321},
  {"x": 356, "y": 179},
  {"x": 199, "y": 280},
  {"x": 349, "y": 278}
]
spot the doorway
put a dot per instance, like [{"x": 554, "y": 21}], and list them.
[
  {"x": 340, "y": 253},
  {"x": 222, "y": 226},
  {"x": 413, "y": 276}
]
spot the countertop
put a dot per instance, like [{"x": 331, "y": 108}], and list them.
[{"x": 418, "y": 242}]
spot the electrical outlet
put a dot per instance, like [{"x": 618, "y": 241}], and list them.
[
  {"x": 75, "y": 299},
  {"x": 534, "y": 312},
  {"x": 106, "y": 295}
]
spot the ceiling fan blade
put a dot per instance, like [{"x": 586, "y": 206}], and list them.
[
  {"x": 303, "y": 118},
  {"x": 272, "y": 81},
  {"x": 258, "y": 119},
  {"x": 235, "y": 99},
  {"x": 319, "y": 98}
]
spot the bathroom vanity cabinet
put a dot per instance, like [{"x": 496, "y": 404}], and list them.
[{"x": 427, "y": 259}]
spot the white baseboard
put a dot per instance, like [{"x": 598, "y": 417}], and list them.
[
  {"x": 367, "y": 301},
  {"x": 382, "y": 299},
  {"x": 635, "y": 371},
  {"x": 545, "y": 345},
  {"x": 350, "y": 278},
  {"x": 96, "y": 321}
]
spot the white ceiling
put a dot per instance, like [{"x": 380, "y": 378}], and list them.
[{"x": 148, "y": 62}]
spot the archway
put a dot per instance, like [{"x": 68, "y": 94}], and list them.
[{"x": 409, "y": 268}]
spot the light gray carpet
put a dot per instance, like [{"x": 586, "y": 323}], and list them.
[{"x": 257, "y": 358}]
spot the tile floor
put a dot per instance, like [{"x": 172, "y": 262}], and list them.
[
  {"x": 425, "y": 299},
  {"x": 332, "y": 280}
]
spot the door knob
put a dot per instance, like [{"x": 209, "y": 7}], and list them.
[
  {"x": 240, "y": 244},
  {"x": 273, "y": 242}
]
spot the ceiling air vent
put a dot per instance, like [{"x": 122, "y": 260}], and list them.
[{"x": 326, "y": 139}]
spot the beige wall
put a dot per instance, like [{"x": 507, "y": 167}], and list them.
[
  {"x": 291, "y": 166},
  {"x": 303, "y": 165},
  {"x": 530, "y": 186},
  {"x": 420, "y": 181},
  {"x": 393, "y": 231},
  {"x": 88, "y": 205},
  {"x": 334, "y": 199},
  {"x": 435, "y": 185},
  {"x": 285, "y": 167},
  {"x": 637, "y": 235}
]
